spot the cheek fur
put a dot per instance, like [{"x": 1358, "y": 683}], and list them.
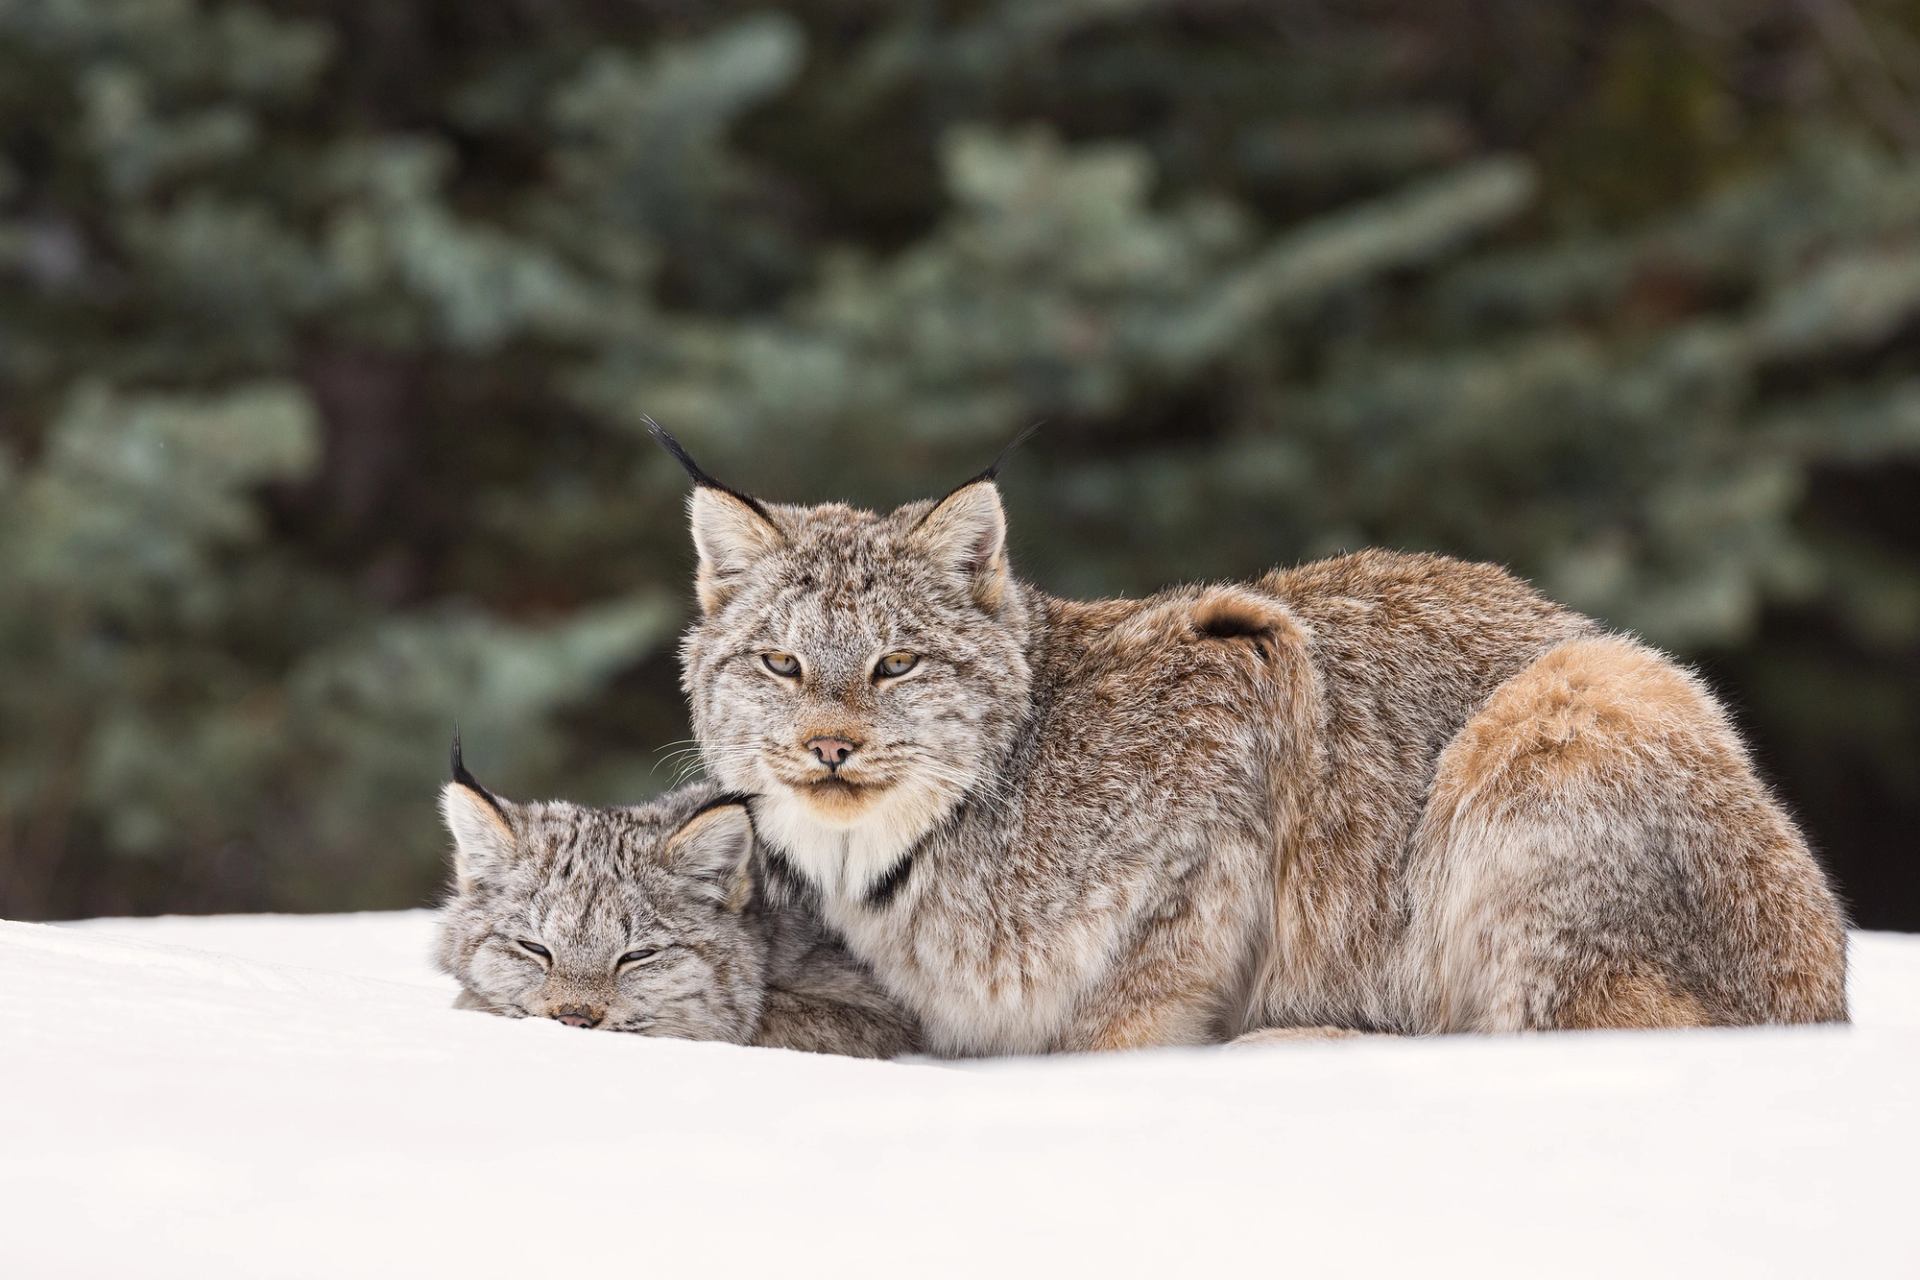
[
  {"x": 670, "y": 992},
  {"x": 690, "y": 999},
  {"x": 504, "y": 974},
  {"x": 938, "y": 714},
  {"x": 740, "y": 717}
]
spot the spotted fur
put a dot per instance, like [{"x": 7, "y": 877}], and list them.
[
  {"x": 1381, "y": 792},
  {"x": 669, "y": 886}
]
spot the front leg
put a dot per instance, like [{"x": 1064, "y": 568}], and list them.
[
  {"x": 820, "y": 1024},
  {"x": 1173, "y": 988},
  {"x": 1134, "y": 1023},
  {"x": 1295, "y": 1035}
]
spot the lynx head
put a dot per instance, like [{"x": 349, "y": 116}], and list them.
[
  {"x": 860, "y": 672},
  {"x": 625, "y": 919}
]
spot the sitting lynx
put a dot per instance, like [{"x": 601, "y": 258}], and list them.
[
  {"x": 644, "y": 920},
  {"x": 1382, "y": 792}
]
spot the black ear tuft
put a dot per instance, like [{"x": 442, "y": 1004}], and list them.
[
  {"x": 471, "y": 783},
  {"x": 695, "y": 472},
  {"x": 992, "y": 473},
  {"x": 460, "y": 774},
  {"x": 993, "y": 468}
]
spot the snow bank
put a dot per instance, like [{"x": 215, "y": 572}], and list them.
[{"x": 284, "y": 1096}]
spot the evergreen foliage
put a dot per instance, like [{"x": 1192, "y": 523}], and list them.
[{"x": 328, "y": 333}]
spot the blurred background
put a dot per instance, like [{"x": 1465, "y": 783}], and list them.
[{"x": 327, "y": 329}]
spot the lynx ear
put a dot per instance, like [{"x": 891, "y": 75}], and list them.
[
  {"x": 730, "y": 534},
  {"x": 966, "y": 533},
  {"x": 730, "y": 529},
  {"x": 715, "y": 846},
  {"x": 483, "y": 838}
]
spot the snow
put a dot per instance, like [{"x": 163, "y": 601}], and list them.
[{"x": 291, "y": 1096}]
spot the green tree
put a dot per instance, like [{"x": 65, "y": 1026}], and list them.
[{"x": 328, "y": 333}]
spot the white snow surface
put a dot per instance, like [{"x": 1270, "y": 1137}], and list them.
[{"x": 292, "y": 1096}]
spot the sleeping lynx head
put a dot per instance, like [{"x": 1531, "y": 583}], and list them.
[
  {"x": 859, "y": 672},
  {"x": 625, "y": 919}
]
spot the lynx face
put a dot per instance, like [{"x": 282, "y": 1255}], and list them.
[
  {"x": 858, "y": 672},
  {"x": 623, "y": 919}
]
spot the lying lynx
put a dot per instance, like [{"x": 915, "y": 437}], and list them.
[
  {"x": 1382, "y": 792},
  {"x": 644, "y": 920}
]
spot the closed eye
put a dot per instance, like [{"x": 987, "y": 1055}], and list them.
[
  {"x": 533, "y": 948},
  {"x": 639, "y": 957}
]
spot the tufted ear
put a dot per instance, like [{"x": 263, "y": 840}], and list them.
[
  {"x": 730, "y": 529},
  {"x": 966, "y": 533},
  {"x": 715, "y": 847},
  {"x": 730, "y": 534},
  {"x": 479, "y": 822}
]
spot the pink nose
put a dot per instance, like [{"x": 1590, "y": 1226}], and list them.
[
  {"x": 832, "y": 752},
  {"x": 576, "y": 1017}
]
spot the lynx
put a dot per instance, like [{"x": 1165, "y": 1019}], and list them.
[
  {"x": 645, "y": 920},
  {"x": 1384, "y": 792}
]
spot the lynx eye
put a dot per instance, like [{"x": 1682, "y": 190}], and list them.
[
  {"x": 641, "y": 956},
  {"x": 781, "y": 664},
  {"x": 533, "y": 947},
  {"x": 897, "y": 663}
]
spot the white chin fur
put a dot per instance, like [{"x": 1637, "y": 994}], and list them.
[{"x": 844, "y": 856}]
